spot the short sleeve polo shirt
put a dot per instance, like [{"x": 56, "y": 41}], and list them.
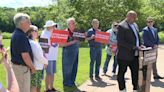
[
  {"x": 93, "y": 43},
  {"x": 19, "y": 44}
]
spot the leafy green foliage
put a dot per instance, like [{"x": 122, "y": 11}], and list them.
[
  {"x": 106, "y": 11},
  {"x": 6, "y": 35}
]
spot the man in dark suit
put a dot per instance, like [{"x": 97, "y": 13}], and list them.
[
  {"x": 128, "y": 50},
  {"x": 151, "y": 39}
]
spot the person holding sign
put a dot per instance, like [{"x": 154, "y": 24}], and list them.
[
  {"x": 51, "y": 55},
  {"x": 95, "y": 49},
  {"x": 111, "y": 48},
  {"x": 70, "y": 56},
  {"x": 151, "y": 39},
  {"x": 128, "y": 42}
]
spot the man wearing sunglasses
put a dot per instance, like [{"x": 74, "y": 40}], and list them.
[
  {"x": 151, "y": 39},
  {"x": 111, "y": 49}
]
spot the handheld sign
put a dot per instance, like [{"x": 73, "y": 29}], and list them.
[
  {"x": 102, "y": 37},
  {"x": 114, "y": 48},
  {"x": 59, "y": 36},
  {"x": 79, "y": 35},
  {"x": 44, "y": 44}
]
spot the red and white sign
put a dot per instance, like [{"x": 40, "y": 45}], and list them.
[
  {"x": 102, "y": 37},
  {"x": 114, "y": 48},
  {"x": 59, "y": 36}
]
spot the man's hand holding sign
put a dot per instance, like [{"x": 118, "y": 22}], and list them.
[
  {"x": 102, "y": 37},
  {"x": 59, "y": 36}
]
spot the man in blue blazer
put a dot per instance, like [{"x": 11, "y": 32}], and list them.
[{"x": 151, "y": 39}]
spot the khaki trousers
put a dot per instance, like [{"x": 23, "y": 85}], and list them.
[{"x": 22, "y": 74}]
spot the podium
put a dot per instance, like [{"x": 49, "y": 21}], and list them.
[{"x": 147, "y": 57}]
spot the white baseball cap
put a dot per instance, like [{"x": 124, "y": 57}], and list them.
[{"x": 50, "y": 23}]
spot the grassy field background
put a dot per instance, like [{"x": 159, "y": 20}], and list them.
[{"x": 83, "y": 68}]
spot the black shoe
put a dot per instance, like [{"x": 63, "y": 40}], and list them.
[
  {"x": 91, "y": 77},
  {"x": 48, "y": 90},
  {"x": 104, "y": 74},
  {"x": 158, "y": 77},
  {"x": 54, "y": 90},
  {"x": 97, "y": 78}
]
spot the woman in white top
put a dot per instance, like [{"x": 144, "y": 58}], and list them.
[
  {"x": 39, "y": 59},
  {"x": 12, "y": 82},
  {"x": 51, "y": 55}
]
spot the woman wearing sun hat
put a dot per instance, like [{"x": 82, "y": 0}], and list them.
[{"x": 51, "y": 55}]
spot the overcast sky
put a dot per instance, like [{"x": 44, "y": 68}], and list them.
[{"x": 23, "y": 3}]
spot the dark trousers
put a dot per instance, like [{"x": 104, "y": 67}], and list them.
[
  {"x": 134, "y": 66},
  {"x": 155, "y": 73},
  {"x": 95, "y": 56},
  {"x": 69, "y": 65},
  {"x": 105, "y": 68}
]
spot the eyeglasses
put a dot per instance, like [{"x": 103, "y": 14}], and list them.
[
  {"x": 35, "y": 30},
  {"x": 149, "y": 21},
  {"x": 115, "y": 25}
]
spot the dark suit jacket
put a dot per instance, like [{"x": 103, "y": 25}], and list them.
[
  {"x": 148, "y": 39},
  {"x": 126, "y": 41}
]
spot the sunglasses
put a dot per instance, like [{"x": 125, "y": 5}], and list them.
[
  {"x": 115, "y": 25},
  {"x": 149, "y": 21}
]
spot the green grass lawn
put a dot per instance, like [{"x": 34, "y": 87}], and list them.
[{"x": 83, "y": 68}]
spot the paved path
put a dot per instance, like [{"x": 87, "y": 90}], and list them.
[{"x": 109, "y": 83}]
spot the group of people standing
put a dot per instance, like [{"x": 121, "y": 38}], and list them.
[
  {"x": 124, "y": 44},
  {"x": 28, "y": 59}
]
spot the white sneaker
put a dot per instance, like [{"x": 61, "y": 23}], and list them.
[
  {"x": 124, "y": 90},
  {"x": 113, "y": 74},
  {"x": 135, "y": 91}
]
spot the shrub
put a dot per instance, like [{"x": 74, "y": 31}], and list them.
[
  {"x": 6, "y": 35},
  {"x": 161, "y": 36}
]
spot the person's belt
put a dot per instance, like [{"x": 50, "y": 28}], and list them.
[{"x": 18, "y": 64}]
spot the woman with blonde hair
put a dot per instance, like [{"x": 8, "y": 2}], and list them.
[{"x": 39, "y": 60}]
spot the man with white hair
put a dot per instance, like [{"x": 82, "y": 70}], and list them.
[
  {"x": 21, "y": 53},
  {"x": 70, "y": 56}
]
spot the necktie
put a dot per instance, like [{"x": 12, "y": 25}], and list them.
[{"x": 152, "y": 31}]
